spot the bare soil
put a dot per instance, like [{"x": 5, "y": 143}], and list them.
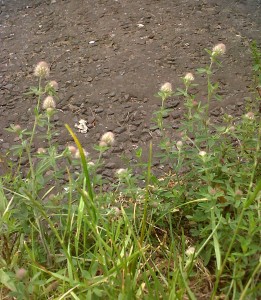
[{"x": 110, "y": 58}]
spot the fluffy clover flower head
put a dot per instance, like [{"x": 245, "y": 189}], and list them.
[
  {"x": 42, "y": 69},
  {"x": 179, "y": 145},
  {"x": 49, "y": 103},
  {"x": 219, "y": 49},
  {"x": 121, "y": 172},
  {"x": 189, "y": 77},
  {"x": 54, "y": 85},
  {"x": 202, "y": 153},
  {"x": 166, "y": 87},
  {"x": 107, "y": 139},
  {"x": 190, "y": 251}
]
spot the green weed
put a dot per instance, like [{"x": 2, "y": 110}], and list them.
[{"x": 191, "y": 234}]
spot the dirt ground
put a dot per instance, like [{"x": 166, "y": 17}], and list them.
[{"x": 110, "y": 58}]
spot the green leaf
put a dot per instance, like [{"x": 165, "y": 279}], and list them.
[
  {"x": 6, "y": 280},
  {"x": 3, "y": 201},
  {"x": 253, "y": 195},
  {"x": 256, "y": 67},
  {"x": 201, "y": 70}
]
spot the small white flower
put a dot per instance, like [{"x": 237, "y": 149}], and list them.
[
  {"x": 54, "y": 85},
  {"x": 250, "y": 115},
  {"x": 116, "y": 211},
  {"x": 121, "y": 172},
  {"x": 72, "y": 149},
  {"x": 42, "y": 70},
  {"x": 190, "y": 251},
  {"x": 49, "y": 103},
  {"x": 77, "y": 153},
  {"x": 166, "y": 87},
  {"x": 219, "y": 49},
  {"x": 41, "y": 150},
  {"x": 202, "y": 153},
  {"x": 189, "y": 77},
  {"x": 107, "y": 139},
  {"x": 20, "y": 274},
  {"x": 179, "y": 145}
]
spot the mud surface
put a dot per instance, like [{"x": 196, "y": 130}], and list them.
[{"x": 110, "y": 58}]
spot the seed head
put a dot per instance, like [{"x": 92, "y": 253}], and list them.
[
  {"x": 238, "y": 193},
  {"x": 166, "y": 87},
  {"x": 116, "y": 211},
  {"x": 49, "y": 103},
  {"x": 195, "y": 103},
  {"x": 54, "y": 85},
  {"x": 121, "y": 172},
  {"x": 219, "y": 49},
  {"x": 107, "y": 139},
  {"x": 77, "y": 153},
  {"x": 41, "y": 150},
  {"x": 189, "y": 77},
  {"x": 212, "y": 191},
  {"x": 190, "y": 251},
  {"x": 179, "y": 145},
  {"x": 72, "y": 149},
  {"x": 42, "y": 70},
  {"x": 250, "y": 115},
  {"x": 21, "y": 273},
  {"x": 17, "y": 128},
  {"x": 202, "y": 153}
]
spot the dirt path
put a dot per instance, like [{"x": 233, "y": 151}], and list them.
[{"x": 111, "y": 56}]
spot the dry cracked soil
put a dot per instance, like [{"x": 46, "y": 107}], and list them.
[{"x": 111, "y": 56}]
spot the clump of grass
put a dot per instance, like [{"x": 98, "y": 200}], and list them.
[{"x": 193, "y": 234}]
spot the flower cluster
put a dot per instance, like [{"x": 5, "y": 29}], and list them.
[
  {"x": 121, "y": 173},
  {"x": 107, "y": 139},
  {"x": 250, "y": 115},
  {"x": 190, "y": 251},
  {"x": 189, "y": 77},
  {"x": 166, "y": 87},
  {"x": 179, "y": 145},
  {"x": 202, "y": 153},
  {"x": 49, "y": 103},
  {"x": 54, "y": 85},
  {"x": 218, "y": 49},
  {"x": 42, "y": 70}
]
